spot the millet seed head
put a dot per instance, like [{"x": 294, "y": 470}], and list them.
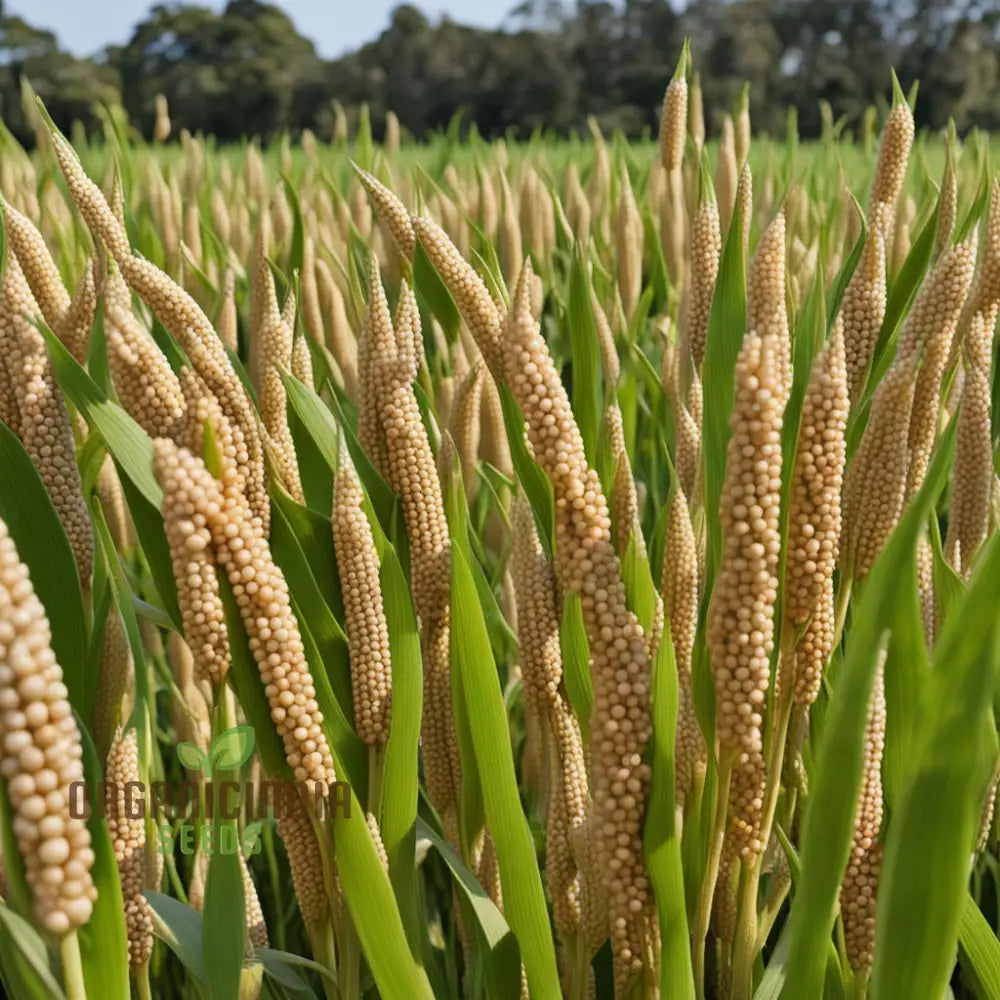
[
  {"x": 40, "y": 755},
  {"x": 814, "y": 517},
  {"x": 128, "y": 839},
  {"x": 364, "y": 615}
]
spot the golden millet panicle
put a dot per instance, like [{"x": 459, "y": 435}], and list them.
[
  {"x": 392, "y": 211},
  {"x": 112, "y": 500},
  {"x": 470, "y": 293},
  {"x": 628, "y": 246},
  {"x": 863, "y": 310},
  {"x": 261, "y": 594},
  {"x": 767, "y": 313},
  {"x": 116, "y": 669},
  {"x": 44, "y": 426},
  {"x": 312, "y": 310},
  {"x": 377, "y": 342},
  {"x": 254, "y": 915},
  {"x": 890, "y": 172},
  {"x": 726, "y": 173},
  {"x": 859, "y": 888},
  {"x": 41, "y": 755},
  {"x": 408, "y": 330},
  {"x": 275, "y": 353},
  {"x": 687, "y": 421},
  {"x": 302, "y": 367},
  {"x": 364, "y": 615},
  {"x": 706, "y": 248},
  {"x": 183, "y": 318},
  {"x": 190, "y": 541},
  {"x": 624, "y": 499},
  {"x": 875, "y": 482},
  {"x": 509, "y": 243},
  {"x": 190, "y": 716},
  {"x": 128, "y": 838},
  {"x": 74, "y": 328},
  {"x": 696, "y": 114},
  {"x": 28, "y": 244},
  {"x": 673, "y": 123},
  {"x": 227, "y": 321},
  {"x": 90, "y": 200},
  {"x": 947, "y": 206},
  {"x": 680, "y": 600},
  {"x": 297, "y": 831},
  {"x": 585, "y": 561},
  {"x": 189, "y": 326},
  {"x": 813, "y": 545},
  {"x": 940, "y": 304},
  {"x": 412, "y": 474},
  {"x": 144, "y": 382},
  {"x": 972, "y": 476},
  {"x": 539, "y": 653},
  {"x": 740, "y": 630},
  {"x": 464, "y": 426},
  {"x": 606, "y": 342}
]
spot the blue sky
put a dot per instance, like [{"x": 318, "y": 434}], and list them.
[{"x": 336, "y": 26}]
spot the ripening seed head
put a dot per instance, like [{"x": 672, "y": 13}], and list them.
[
  {"x": 673, "y": 123},
  {"x": 938, "y": 310},
  {"x": 261, "y": 593},
  {"x": 585, "y": 561},
  {"x": 36, "y": 262},
  {"x": 972, "y": 475},
  {"x": 875, "y": 481},
  {"x": 40, "y": 755},
  {"x": 890, "y": 172},
  {"x": 377, "y": 342},
  {"x": 305, "y": 861},
  {"x": 128, "y": 839},
  {"x": 43, "y": 426},
  {"x": 364, "y": 615},
  {"x": 862, "y": 311},
  {"x": 706, "y": 248},
  {"x": 189, "y": 539},
  {"x": 253, "y": 914},
  {"x": 227, "y": 321},
  {"x": 116, "y": 669},
  {"x": 392, "y": 211},
  {"x": 859, "y": 888},
  {"x": 740, "y": 629},
  {"x": 813, "y": 545},
  {"x": 767, "y": 312},
  {"x": 470, "y": 293},
  {"x": 144, "y": 382},
  {"x": 540, "y": 657},
  {"x": 680, "y": 601}
]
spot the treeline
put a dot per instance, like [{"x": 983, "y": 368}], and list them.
[{"x": 247, "y": 71}]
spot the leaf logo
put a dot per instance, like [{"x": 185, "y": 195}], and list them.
[
  {"x": 232, "y": 749},
  {"x": 229, "y": 751}
]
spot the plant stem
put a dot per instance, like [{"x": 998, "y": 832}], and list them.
[
  {"x": 703, "y": 911},
  {"x": 72, "y": 966},
  {"x": 580, "y": 970},
  {"x": 142, "y": 983},
  {"x": 746, "y": 936},
  {"x": 843, "y": 599},
  {"x": 376, "y": 758},
  {"x": 744, "y": 947}
]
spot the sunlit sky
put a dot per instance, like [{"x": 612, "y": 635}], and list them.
[{"x": 337, "y": 26}]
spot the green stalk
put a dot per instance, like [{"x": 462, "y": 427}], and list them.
[
  {"x": 703, "y": 910},
  {"x": 142, "y": 983},
  {"x": 843, "y": 599},
  {"x": 72, "y": 966},
  {"x": 747, "y": 933}
]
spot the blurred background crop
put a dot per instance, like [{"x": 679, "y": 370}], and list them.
[{"x": 248, "y": 68}]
